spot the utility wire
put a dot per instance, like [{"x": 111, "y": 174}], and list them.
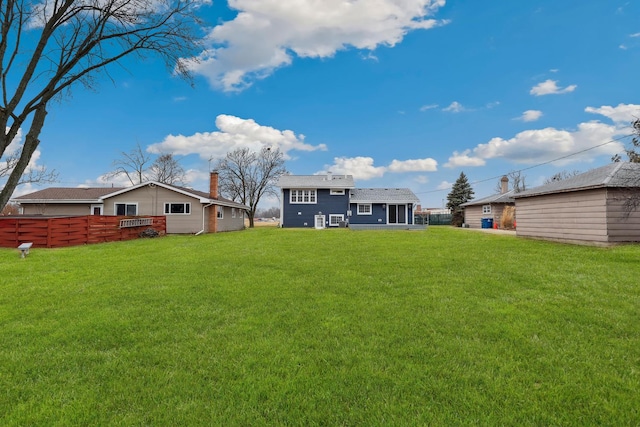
[{"x": 534, "y": 166}]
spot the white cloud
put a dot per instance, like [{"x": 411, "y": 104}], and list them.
[
  {"x": 463, "y": 159},
  {"x": 414, "y": 165},
  {"x": 623, "y": 113},
  {"x": 444, "y": 185},
  {"x": 634, "y": 35},
  {"x": 530, "y": 115},
  {"x": 14, "y": 149},
  {"x": 454, "y": 107},
  {"x": 234, "y": 133},
  {"x": 428, "y": 107},
  {"x": 360, "y": 167},
  {"x": 588, "y": 141},
  {"x": 550, "y": 87},
  {"x": 422, "y": 179},
  {"x": 363, "y": 167},
  {"x": 268, "y": 34}
]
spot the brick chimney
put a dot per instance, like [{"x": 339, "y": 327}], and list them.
[
  {"x": 213, "y": 185},
  {"x": 504, "y": 184}
]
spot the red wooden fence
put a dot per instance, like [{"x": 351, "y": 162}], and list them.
[{"x": 55, "y": 232}]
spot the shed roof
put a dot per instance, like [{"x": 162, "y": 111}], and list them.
[
  {"x": 316, "y": 181},
  {"x": 620, "y": 175},
  {"x": 383, "y": 195},
  {"x": 493, "y": 199}
]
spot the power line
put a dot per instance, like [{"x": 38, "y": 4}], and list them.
[{"x": 536, "y": 165}]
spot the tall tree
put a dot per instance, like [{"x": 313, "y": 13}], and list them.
[
  {"x": 134, "y": 165},
  {"x": 48, "y": 47},
  {"x": 168, "y": 170},
  {"x": 246, "y": 176},
  {"x": 461, "y": 192}
]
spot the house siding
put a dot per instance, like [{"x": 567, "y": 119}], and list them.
[
  {"x": 473, "y": 216},
  {"x": 56, "y": 209},
  {"x": 226, "y": 223},
  {"x": 579, "y": 216},
  {"x": 151, "y": 201},
  {"x": 623, "y": 226},
  {"x": 378, "y": 215},
  {"x": 303, "y": 215}
]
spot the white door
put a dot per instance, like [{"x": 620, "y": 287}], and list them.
[{"x": 319, "y": 221}]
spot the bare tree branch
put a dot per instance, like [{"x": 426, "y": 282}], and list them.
[
  {"x": 247, "y": 176},
  {"x": 73, "y": 41}
]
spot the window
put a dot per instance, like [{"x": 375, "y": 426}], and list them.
[
  {"x": 334, "y": 220},
  {"x": 486, "y": 209},
  {"x": 336, "y": 192},
  {"x": 219, "y": 212},
  {"x": 303, "y": 196},
  {"x": 364, "y": 209},
  {"x": 128, "y": 209},
  {"x": 233, "y": 212},
  {"x": 177, "y": 208}
]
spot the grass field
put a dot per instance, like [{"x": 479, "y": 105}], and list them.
[{"x": 274, "y": 326}]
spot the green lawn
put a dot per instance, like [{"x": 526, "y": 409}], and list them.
[{"x": 302, "y": 327}]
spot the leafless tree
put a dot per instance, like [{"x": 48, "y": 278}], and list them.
[
  {"x": 246, "y": 176},
  {"x": 516, "y": 182},
  {"x": 49, "y": 46},
  {"x": 633, "y": 150},
  {"x": 133, "y": 165},
  {"x": 166, "y": 169}
]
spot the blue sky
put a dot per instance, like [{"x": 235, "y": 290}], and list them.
[{"x": 398, "y": 93}]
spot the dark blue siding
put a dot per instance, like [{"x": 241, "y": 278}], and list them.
[
  {"x": 378, "y": 215},
  {"x": 303, "y": 215}
]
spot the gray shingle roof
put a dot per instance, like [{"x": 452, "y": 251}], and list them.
[
  {"x": 68, "y": 194},
  {"x": 495, "y": 198},
  {"x": 383, "y": 195},
  {"x": 612, "y": 175},
  {"x": 316, "y": 181},
  {"x": 96, "y": 195}
]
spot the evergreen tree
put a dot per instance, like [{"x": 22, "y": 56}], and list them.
[{"x": 461, "y": 192}]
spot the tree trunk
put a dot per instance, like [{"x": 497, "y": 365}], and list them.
[{"x": 30, "y": 144}]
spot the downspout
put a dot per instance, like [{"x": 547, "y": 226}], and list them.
[{"x": 203, "y": 210}]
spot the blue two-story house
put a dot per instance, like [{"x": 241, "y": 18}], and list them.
[{"x": 322, "y": 201}]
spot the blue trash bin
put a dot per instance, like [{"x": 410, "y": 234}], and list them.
[{"x": 485, "y": 222}]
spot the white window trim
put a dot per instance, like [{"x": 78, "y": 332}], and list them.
[
  {"x": 486, "y": 209},
  {"x": 300, "y": 196},
  {"x": 333, "y": 218},
  {"x": 360, "y": 212},
  {"x": 336, "y": 192},
  {"x": 115, "y": 208},
  {"x": 219, "y": 212},
  {"x": 233, "y": 212},
  {"x": 168, "y": 205},
  {"x": 97, "y": 206}
]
